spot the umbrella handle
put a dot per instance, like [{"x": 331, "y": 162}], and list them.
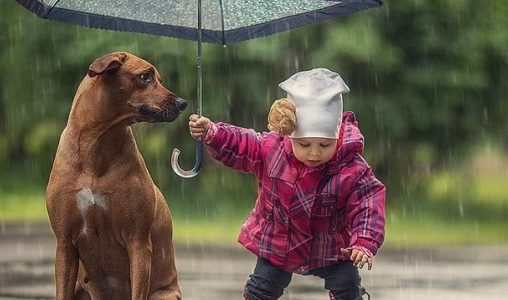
[
  {"x": 197, "y": 166},
  {"x": 199, "y": 143}
]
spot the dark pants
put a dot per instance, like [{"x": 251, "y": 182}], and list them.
[{"x": 268, "y": 282}]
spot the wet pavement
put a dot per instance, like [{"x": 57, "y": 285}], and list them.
[{"x": 212, "y": 273}]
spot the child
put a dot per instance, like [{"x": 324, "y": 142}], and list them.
[{"x": 320, "y": 209}]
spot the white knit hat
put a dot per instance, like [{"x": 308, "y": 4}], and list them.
[{"x": 317, "y": 95}]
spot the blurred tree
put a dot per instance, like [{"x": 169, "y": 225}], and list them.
[{"x": 427, "y": 80}]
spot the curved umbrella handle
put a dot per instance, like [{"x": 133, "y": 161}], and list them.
[
  {"x": 199, "y": 142},
  {"x": 197, "y": 166}
]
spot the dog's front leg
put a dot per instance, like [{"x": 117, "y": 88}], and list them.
[
  {"x": 140, "y": 254},
  {"x": 66, "y": 269}
]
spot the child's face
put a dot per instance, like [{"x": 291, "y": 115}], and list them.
[{"x": 314, "y": 151}]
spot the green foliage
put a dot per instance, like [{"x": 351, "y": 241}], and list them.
[
  {"x": 427, "y": 81},
  {"x": 476, "y": 190}
]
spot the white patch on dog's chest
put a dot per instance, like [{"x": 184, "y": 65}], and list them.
[{"x": 86, "y": 199}]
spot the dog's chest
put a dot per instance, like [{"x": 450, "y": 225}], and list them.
[{"x": 89, "y": 203}]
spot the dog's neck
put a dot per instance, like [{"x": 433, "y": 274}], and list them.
[
  {"x": 102, "y": 140},
  {"x": 98, "y": 151}
]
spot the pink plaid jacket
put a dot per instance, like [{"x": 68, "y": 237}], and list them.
[{"x": 303, "y": 216}]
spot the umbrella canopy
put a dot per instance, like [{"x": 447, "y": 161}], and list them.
[
  {"x": 223, "y": 21},
  {"x": 215, "y": 21}
]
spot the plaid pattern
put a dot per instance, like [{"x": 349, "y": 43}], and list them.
[{"x": 303, "y": 216}]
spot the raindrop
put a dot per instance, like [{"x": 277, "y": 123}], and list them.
[{"x": 461, "y": 209}]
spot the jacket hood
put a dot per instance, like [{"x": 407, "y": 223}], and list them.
[{"x": 349, "y": 144}]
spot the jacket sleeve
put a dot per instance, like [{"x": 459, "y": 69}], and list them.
[
  {"x": 366, "y": 213},
  {"x": 236, "y": 147}
]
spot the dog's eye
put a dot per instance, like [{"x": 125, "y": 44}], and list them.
[{"x": 146, "y": 77}]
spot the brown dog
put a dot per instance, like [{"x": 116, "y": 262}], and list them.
[{"x": 112, "y": 224}]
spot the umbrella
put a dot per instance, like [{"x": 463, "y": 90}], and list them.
[{"x": 213, "y": 21}]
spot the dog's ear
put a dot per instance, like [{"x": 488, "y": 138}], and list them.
[{"x": 108, "y": 63}]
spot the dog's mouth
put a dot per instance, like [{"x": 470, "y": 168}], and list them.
[{"x": 167, "y": 113}]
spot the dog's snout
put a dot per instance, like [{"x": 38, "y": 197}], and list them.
[{"x": 181, "y": 103}]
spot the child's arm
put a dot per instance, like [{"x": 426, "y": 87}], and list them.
[
  {"x": 235, "y": 147},
  {"x": 366, "y": 214}
]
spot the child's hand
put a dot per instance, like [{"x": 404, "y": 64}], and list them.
[
  {"x": 358, "y": 257},
  {"x": 198, "y": 126}
]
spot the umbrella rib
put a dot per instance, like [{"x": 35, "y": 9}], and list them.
[
  {"x": 222, "y": 22},
  {"x": 49, "y": 9}
]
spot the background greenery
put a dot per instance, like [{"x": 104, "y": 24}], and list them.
[{"x": 428, "y": 85}]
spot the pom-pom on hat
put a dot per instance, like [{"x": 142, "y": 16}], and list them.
[{"x": 317, "y": 95}]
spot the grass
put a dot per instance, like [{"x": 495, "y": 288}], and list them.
[
  {"x": 426, "y": 230},
  {"x": 402, "y": 231},
  {"x": 23, "y": 207},
  {"x": 31, "y": 207},
  {"x": 206, "y": 230},
  {"x": 408, "y": 232}
]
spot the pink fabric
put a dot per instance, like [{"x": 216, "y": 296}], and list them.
[{"x": 303, "y": 216}]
